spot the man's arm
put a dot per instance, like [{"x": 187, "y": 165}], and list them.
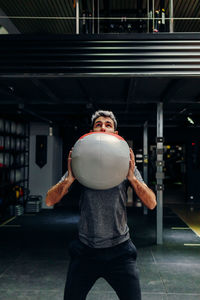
[
  {"x": 55, "y": 194},
  {"x": 145, "y": 194}
]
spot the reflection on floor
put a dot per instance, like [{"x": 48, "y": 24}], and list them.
[
  {"x": 34, "y": 257},
  {"x": 190, "y": 215}
]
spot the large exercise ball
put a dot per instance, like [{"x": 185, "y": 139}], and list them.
[{"x": 100, "y": 160}]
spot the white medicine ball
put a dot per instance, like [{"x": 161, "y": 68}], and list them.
[{"x": 100, "y": 160}]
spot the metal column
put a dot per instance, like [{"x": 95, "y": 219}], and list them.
[
  {"x": 153, "y": 14},
  {"x": 159, "y": 173},
  {"x": 98, "y": 20},
  {"x": 148, "y": 12},
  {"x": 145, "y": 159},
  {"x": 93, "y": 16},
  {"x": 77, "y": 16},
  {"x": 171, "y": 15}
]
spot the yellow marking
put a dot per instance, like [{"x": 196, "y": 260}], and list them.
[
  {"x": 192, "y": 245},
  {"x": 6, "y": 222},
  {"x": 190, "y": 217},
  {"x": 180, "y": 228}
]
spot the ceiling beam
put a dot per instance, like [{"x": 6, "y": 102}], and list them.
[
  {"x": 75, "y": 112},
  {"x": 46, "y": 90},
  {"x": 22, "y": 109},
  {"x": 17, "y": 100}
]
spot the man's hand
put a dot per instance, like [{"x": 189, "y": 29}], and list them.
[
  {"x": 70, "y": 176},
  {"x": 145, "y": 194},
  {"x": 55, "y": 194},
  {"x": 131, "y": 170}
]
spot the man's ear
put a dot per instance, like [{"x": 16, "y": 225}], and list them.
[{"x": 116, "y": 132}]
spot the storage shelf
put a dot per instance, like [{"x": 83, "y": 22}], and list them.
[{"x": 14, "y": 161}]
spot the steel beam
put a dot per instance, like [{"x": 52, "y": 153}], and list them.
[
  {"x": 171, "y": 15},
  {"x": 77, "y": 16}
]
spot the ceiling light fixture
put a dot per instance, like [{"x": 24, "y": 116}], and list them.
[{"x": 190, "y": 120}]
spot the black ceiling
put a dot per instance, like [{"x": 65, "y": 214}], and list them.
[{"x": 70, "y": 101}]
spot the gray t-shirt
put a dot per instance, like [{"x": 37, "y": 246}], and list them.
[{"x": 103, "y": 220}]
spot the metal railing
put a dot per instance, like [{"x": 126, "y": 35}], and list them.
[{"x": 152, "y": 19}]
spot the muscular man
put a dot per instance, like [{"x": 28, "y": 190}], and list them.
[{"x": 104, "y": 248}]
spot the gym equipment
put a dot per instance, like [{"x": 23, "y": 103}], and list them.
[
  {"x": 19, "y": 144},
  {"x": 6, "y": 159},
  {"x": 19, "y": 129},
  {"x": 100, "y": 160},
  {"x": 1, "y": 143},
  {"x": 34, "y": 203},
  {"x": 16, "y": 210},
  {"x": 1, "y": 125},
  {"x": 13, "y": 127},
  {"x": 18, "y": 191},
  {"x": 7, "y": 126},
  {"x": 15, "y": 175},
  {"x": 9, "y": 143},
  {"x": 20, "y": 159}
]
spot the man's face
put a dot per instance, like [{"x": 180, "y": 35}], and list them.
[{"x": 104, "y": 124}]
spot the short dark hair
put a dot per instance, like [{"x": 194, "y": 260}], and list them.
[{"x": 103, "y": 113}]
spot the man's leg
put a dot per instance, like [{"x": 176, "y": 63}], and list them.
[
  {"x": 81, "y": 274},
  {"x": 122, "y": 273}
]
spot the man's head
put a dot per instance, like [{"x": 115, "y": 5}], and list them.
[{"x": 104, "y": 121}]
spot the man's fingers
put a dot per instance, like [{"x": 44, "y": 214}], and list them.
[
  {"x": 131, "y": 164},
  {"x": 70, "y": 154},
  {"x": 132, "y": 155}
]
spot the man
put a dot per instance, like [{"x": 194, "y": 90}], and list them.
[{"x": 104, "y": 248}]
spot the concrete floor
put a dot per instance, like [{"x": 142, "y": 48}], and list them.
[{"x": 34, "y": 257}]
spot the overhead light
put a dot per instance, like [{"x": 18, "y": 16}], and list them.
[
  {"x": 190, "y": 120},
  {"x": 50, "y": 130},
  {"x": 3, "y": 30}
]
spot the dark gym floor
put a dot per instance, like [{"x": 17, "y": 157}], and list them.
[{"x": 34, "y": 257}]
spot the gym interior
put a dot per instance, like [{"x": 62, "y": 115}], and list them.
[{"x": 60, "y": 62}]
